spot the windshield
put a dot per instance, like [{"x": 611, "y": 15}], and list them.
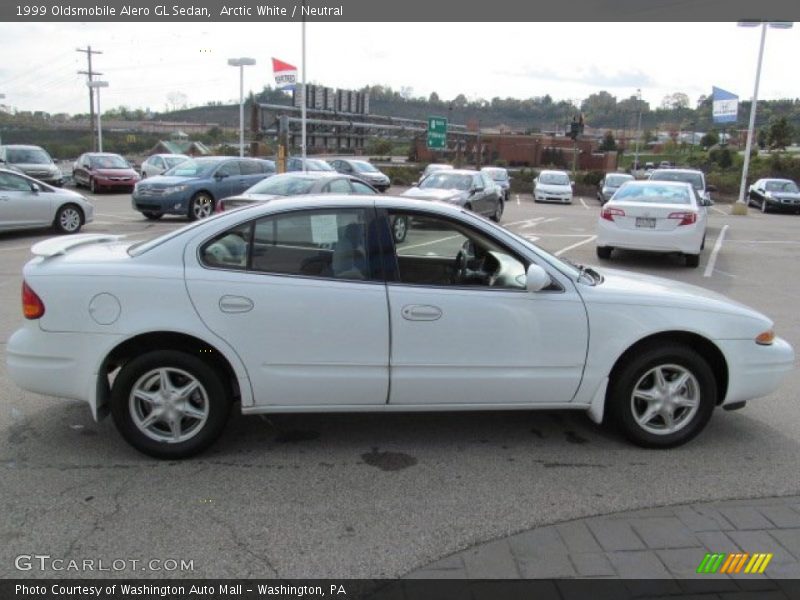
[
  {"x": 27, "y": 156},
  {"x": 364, "y": 167},
  {"x": 653, "y": 194},
  {"x": 283, "y": 185},
  {"x": 317, "y": 165},
  {"x": 497, "y": 174},
  {"x": 782, "y": 186},
  {"x": 112, "y": 161},
  {"x": 193, "y": 168},
  {"x": 173, "y": 160},
  {"x": 617, "y": 180},
  {"x": 447, "y": 181},
  {"x": 696, "y": 179},
  {"x": 554, "y": 179}
]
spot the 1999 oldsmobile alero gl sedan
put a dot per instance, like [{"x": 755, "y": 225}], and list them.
[{"x": 309, "y": 304}]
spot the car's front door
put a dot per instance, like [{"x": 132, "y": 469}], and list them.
[
  {"x": 465, "y": 330},
  {"x": 295, "y": 295},
  {"x": 21, "y": 205},
  {"x": 226, "y": 178}
]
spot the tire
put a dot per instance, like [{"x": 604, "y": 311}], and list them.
[
  {"x": 498, "y": 212},
  {"x": 673, "y": 360},
  {"x": 178, "y": 435},
  {"x": 692, "y": 260},
  {"x": 153, "y": 216},
  {"x": 703, "y": 243},
  {"x": 201, "y": 206},
  {"x": 604, "y": 252},
  {"x": 93, "y": 186},
  {"x": 400, "y": 229},
  {"x": 764, "y": 208},
  {"x": 69, "y": 219}
]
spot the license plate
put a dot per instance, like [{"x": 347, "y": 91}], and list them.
[{"x": 645, "y": 223}]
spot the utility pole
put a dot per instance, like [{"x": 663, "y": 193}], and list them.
[{"x": 88, "y": 51}]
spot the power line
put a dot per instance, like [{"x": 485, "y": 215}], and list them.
[{"x": 88, "y": 50}]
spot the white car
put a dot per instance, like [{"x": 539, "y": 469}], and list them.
[
  {"x": 655, "y": 216},
  {"x": 157, "y": 164},
  {"x": 552, "y": 186},
  {"x": 307, "y": 304},
  {"x": 26, "y": 203}
]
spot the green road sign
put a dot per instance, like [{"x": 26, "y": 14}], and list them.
[{"x": 437, "y": 133}]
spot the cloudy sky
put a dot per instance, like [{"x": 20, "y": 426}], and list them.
[{"x": 145, "y": 62}]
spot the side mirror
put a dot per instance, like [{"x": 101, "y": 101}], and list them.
[
  {"x": 477, "y": 189},
  {"x": 536, "y": 278},
  {"x": 711, "y": 188},
  {"x": 35, "y": 187}
]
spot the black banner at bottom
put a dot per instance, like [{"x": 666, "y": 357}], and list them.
[{"x": 713, "y": 587}]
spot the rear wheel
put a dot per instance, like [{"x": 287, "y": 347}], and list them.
[
  {"x": 663, "y": 397},
  {"x": 201, "y": 206},
  {"x": 498, "y": 212},
  {"x": 604, "y": 252},
  {"x": 692, "y": 260},
  {"x": 400, "y": 229},
  {"x": 69, "y": 219},
  {"x": 169, "y": 404}
]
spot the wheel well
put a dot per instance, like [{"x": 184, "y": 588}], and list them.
[
  {"x": 706, "y": 349},
  {"x": 208, "y": 193},
  {"x": 167, "y": 340}
]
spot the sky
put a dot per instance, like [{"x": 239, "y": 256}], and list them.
[{"x": 146, "y": 62}]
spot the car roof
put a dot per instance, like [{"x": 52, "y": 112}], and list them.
[
  {"x": 21, "y": 146},
  {"x": 311, "y": 174},
  {"x": 169, "y": 154},
  {"x": 462, "y": 172},
  {"x": 679, "y": 171},
  {"x": 553, "y": 171},
  {"x": 778, "y": 179},
  {"x": 650, "y": 183}
]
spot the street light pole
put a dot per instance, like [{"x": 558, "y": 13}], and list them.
[
  {"x": 241, "y": 63},
  {"x": 740, "y": 207},
  {"x": 96, "y": 85},
  {"x": 303, "y": 94},
  {"x": 638, "y": 131},
  {"x": 2, "y": 97}
]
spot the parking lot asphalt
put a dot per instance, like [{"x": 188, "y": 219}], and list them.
[{"x": 383, "y": 495}]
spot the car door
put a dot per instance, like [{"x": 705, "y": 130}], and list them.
[
  {"x": 295, "y": 295},
  {"x": 252, "y": 173},
  {"x": 21, "y": 205},
  {"x": 475, "y": 341},
  {"x": 222, "y": 181}
]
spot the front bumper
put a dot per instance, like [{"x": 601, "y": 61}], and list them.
[
  {"x": 753, "y": 370},
  {"x": 176, "y": 203},
  {"x": 783, "y": 205},
  {"x": 107, "y": 182},
  {"x": 545, "y": 197}
]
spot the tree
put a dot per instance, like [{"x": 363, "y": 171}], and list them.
[
  {"x": 609, "y": 143},
  {"x": 779, "y": 134},
  {"x": 675, "y": 100},
  {"x": 709, "y": 139},
  {"x": 176, "y": 100},
  {"x": 599, "y": 107},
  {"x": 434, "y": 98},
  {"x": 761, "y": 138}
]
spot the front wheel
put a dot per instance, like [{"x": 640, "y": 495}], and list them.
[
  {"x": 153, "y": 216},
  {"x": 169, "y": 404},
  {"x": 93, "y": 186},
  {"x": 604, "y": 252},
  {"x": 663, "y": 397},
  {"x": 69, "y": 219},
  {"x": 201, "y": 206},
  {"x": 764, "y": 208},
  {"x": 692, "y": 260},
  {"x": 400, "y": 229},
  {"x": 498, "y": 212}
]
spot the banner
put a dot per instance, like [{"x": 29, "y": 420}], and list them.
[
  {"x": 285, "y": 74},
  {"x": 726, "y": 106}
]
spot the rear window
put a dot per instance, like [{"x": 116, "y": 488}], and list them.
[
  {"x": 654, "y": 194},
  {"x": 696, "y": 179}
]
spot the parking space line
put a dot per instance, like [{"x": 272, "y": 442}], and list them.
[
  {"x": 719, "y": 210},
  {"x": 517, "y": 199},
  {"x": 591, "y": 238},
  {"x": 712, "y": 260},
  {"x": 586, "y": 206}
]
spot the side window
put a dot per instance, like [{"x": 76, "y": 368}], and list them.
[
  {"x": 362, "y": 188},
  {"x": 13, "y": 183},
  {"x": 338, "y": 186},
  {"x": 229, "y": 168},
  {"x": 488, "y": 182},
  {"x": 318, "y": 243},
  {"x": 249, "y": 167},
  {"x": 228, "y": 250},
  {"x": 477, "y": 182},
  {"x": 431, "y": 250}
]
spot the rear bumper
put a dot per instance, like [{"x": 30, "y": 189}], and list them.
[
  {"x": 753, "y": 370},
  {"x": 686, "y": 240}
]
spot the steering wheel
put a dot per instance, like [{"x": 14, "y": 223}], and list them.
[{"x": 463, "y": 259}]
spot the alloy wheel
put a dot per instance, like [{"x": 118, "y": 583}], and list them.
[{"x": 665, "y": 399}]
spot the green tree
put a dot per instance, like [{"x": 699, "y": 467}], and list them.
[
  {"x": 761, "y": 139},
  {"x": 709, "y": 139},
  {"x": 780, "y": 133},
  {"x": 609, "y": 143}
]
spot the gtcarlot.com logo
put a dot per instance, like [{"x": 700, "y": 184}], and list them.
[
  {"x": 735, "y": 563},
  {"x": 45, "y": 562}
]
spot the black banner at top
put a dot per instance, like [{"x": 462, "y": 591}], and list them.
[{"x": 399, "y": 10}]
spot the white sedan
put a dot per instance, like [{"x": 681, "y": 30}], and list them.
[
  {"x": 655, "y": 216},
  {"x": 308, "y": 304},
  {"x": 552, "y": 186},
  {"x": 158, "y": 164}
]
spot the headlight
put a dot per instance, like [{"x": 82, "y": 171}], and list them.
[{"x": 175, "y": 188}]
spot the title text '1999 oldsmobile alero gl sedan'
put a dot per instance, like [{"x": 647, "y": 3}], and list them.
[{"x": 310, "y": 304}]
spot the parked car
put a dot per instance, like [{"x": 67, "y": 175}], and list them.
[
  {"x": 307, "y": 304},
  {"x": 469, "y": 189},
  {"x": 157, "y": 164},
  {"x": 696, "y": 178},
  {"x": 552, "y": 186},
  {"x": 103, "y": 171},
  {"x": 363, "y": 170},
  {"x": 28, "y": 203},
  {"x": 610, "y": 184},
  {"x": 33, "y": 161},
  {"x": 665, "y": 164},
  {"x": 193, "y": 187},
  {"x": 433, "y": 167},
  {"x": 655, "y": 216},
  {"x": 775, "y": 194},
  {"x": 312, "y": 164},
  {"x": 501, "y": 178}
]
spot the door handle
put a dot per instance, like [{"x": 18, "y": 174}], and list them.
[
  {"x": 235, "y": 304},
  {"x": 421, "y": 312}
]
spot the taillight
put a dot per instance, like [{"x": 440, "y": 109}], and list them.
[
  {"x": 32, "y": 305},
  {"x": 609, "y": 213},
  {"x": 220, "y": 206},
  {"x": 687, "y": 218}
]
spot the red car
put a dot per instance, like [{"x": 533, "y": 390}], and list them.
[{"x": 104, "y": 171}]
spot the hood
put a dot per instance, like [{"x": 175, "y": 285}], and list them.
[
  {"x": 433, "y": 194},
  {"x": 115, "y": 172},
  {"x": 785, "y": 195},
  {"x": 162, "y": 181},
  {"x": 626, "y": 287},
  {"x": 36, "y": 167}
]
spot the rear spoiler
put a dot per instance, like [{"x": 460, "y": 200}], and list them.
[{"x": 60, "y": 245}]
